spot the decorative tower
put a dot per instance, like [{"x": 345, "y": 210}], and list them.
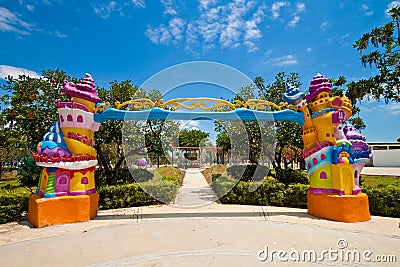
[
  {"x": 333, "y": 164},
  {"x": 66, "y": 191}
]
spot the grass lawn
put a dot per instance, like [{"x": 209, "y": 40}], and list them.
[{"x": 379, "y": 180}]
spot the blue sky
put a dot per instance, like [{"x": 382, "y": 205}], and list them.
[{"x": 134, "y": 39}]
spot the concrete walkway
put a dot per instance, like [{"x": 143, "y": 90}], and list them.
[
  {"x": 195, "y": 190},
  {"x": 213, "y": 235}
]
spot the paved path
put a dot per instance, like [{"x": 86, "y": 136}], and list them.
[
  {"x": 386, "y": 171},
  {"x": 213, "y": 235},
  {"x": 195, "y": 190}
]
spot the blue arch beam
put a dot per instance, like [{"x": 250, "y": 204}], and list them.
[{"x": 237, "y": 114}]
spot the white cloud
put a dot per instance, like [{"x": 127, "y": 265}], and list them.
[
  {"x": 323, "y": 26},
  {"x": 11, "y": 22},
  {"x": 294, "y": 21},
  {"x": 393, "y": 108},
  {"x": 173, "y": 33},
  {"x": 30, "y": 7},
  {"x": 300, "y": 8},
  {"x": 252, "y": 32},
  {"x": 60, "y": 35},
  {"x": 15, "y": 72},
  {"x": 139, "y": 3},
  {"x": 309, "y": 49},
  {"x": 189, "y": 124},
  {"x": 367, "y": 11},
  {"x": 390, "y": 6},
  {"x": 105, "y": 10},
  {"x": 282, "y": 61},
  {"x": 169, "y": 6},
  {"x": 276, "y": 7},
  {"x": 295, "y": 14},
  {"x": 230, "y": 25},
  {"x": 203, "y": 4}
]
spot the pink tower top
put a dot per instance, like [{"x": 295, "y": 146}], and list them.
[
  {"x": 85, "y": 89},
  {"x": 318, "y": 85},
  {"x": 357, "y": 140}
]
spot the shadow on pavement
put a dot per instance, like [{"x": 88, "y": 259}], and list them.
[{"x": 173, "y": 215}]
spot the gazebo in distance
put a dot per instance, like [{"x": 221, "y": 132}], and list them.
[{"x": 187, "y": 157}]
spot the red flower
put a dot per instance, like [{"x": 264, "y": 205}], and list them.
[{"x": 30, "y": 115}]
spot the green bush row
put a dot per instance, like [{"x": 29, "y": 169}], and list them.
[
  {"x": 384, "y": 200},
  {"x": 12, "y": 206},
  {"x": 122, "y": 176},
  {"x": 247, "y": 173},
  {"x": 268, "y": 192},
  {"x": 133, "y": 195}
]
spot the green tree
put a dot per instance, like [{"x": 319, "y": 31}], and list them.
[
  {"x": 30, "y": 105},
  {"x": 192, "y": 137},
  {"x": 288, "y": 134},
  {"x": 248, "y": 142},
  {"x": 159, "y": 134},
  {"x": 224, "y": 142},
  {"x": 10, "y": 147},
  {"x": 28, "y": 172},
  {"x": 380, "y": 49},
  {"x": 108, "y": 140}
]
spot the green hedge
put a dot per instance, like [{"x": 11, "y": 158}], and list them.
[
  {"x": 384, "y": 200},
  {"x": 268, "y": 192},
  {"x": 133, "y": 195},
  {"x": 12, "y": 205},
  {"x": 290, "y": 176},
  {"x": 247, "y": 173}
]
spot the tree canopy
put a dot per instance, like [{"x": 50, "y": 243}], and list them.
[
  {"x": 192, "y": 137},
  {"x": 379, "y": 49}
]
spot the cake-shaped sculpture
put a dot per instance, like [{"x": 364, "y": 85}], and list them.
[
  {"x": 330, "y": 151},
  {"x": 68, "y": 161}
]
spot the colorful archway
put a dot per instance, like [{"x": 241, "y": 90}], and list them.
[{"x": 334, "y": 154}]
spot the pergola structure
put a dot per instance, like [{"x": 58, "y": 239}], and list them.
[{"x": 184, "y": 156}]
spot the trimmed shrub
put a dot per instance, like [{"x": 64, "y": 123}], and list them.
[
  {"x": 296, "y": 196},
  {"x": 384, "y": 200},
  {"x": 112, "y": 177},
  {"x": 268, "y": 192},
  {"x": 134, "y": 195},
  {"x": 215, "y": 176},
  {"x": 12, "y": 205},
  {"x": 290, "y": 176},
  {"x": 173, "y": 179},
  {"x": 247, "y": 173},
  {"x": 140, "y": 175}
]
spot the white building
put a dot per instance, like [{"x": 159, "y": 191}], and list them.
[{"x": 385, "y": 154}]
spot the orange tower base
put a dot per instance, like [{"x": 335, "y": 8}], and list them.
[
  {"x": 59, "y": 210},
  {"x": 345, "y": 208}
]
